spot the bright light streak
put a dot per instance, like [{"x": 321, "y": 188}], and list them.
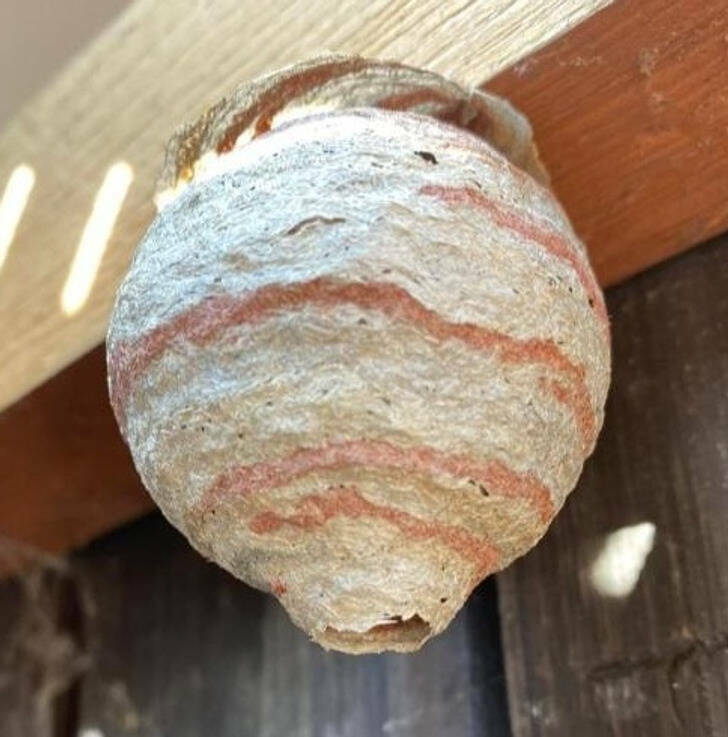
[
  {"x": 12, "y": 206},
  {"x": 95, "y": 237}
]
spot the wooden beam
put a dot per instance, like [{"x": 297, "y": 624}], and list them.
[
  {"x": 156, "y": 66},
  {"x": 630, "y": 112},
  {"x": 66, "y": 474},
  {"x": 37, "y": 39},
  {"x": 655, "y": 661}
]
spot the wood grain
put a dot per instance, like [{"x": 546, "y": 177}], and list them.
[
  {"x": 630, "y": 112},
  {"x": 160, "y": 64},
  {"x": 48, "y": 34},
  {"x": 656, "y": 662}
]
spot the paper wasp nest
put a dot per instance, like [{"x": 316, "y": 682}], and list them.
[{"x": 360, "y": 355}]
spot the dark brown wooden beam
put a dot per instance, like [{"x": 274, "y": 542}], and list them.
[{"x": 66, "y": 474}]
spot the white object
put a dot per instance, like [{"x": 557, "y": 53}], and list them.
[{"x": 617, "y": 568}]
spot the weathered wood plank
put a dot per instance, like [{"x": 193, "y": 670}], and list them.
[
  {"x": 656, "y": 661},
  {"x": 160, "y": 64},
  {"x": 179, "y": 647}
]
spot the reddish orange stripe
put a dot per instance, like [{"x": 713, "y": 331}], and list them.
[
  {"x": 580, "y": 406},
  {"x": 548, "y": 238},
  {"x": 495, "y": 476},
  {"x": 467, "y": 113},
  {"x": 278, "y": 587},
  {"x": 206, "y": 320},
  {"x": 288, "y": 88},
  {"x": 315, "y": 510}
]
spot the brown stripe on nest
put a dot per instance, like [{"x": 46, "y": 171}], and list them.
[
  {"x": 219, "y": 128},
  {"x": 315, "y": 510},
  {"x": 462, "y": 110},
  {"x": 493, "y": 475},
  {"x": 205, "y": 321},
  {"x": 545, "y": 236}
]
